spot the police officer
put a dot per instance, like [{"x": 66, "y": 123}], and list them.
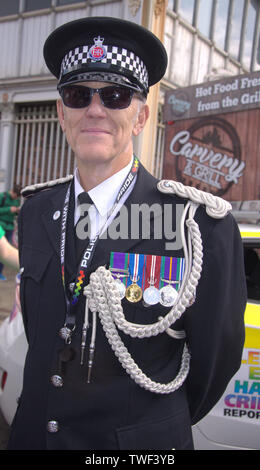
[{"x": 130, "y": 343}]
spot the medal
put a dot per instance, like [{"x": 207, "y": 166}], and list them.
[
  {"x": 134, "y": 292},
  {"x": 120, "y": 287},
  {"x": 172, "y": 271},
  {"x": 118, "y": 268},
  {"x": 168, "y": 295},
  {"x": 151, "y": 294}
]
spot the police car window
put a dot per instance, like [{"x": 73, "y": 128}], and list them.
[{"x": 252, "y": 270}]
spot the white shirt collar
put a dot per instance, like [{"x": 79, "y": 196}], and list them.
[{"x": 104, "y": 194}]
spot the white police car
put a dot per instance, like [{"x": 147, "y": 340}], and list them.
[
  {"x": 234, "y": 423},
  {"x": 13, "y": 348}
]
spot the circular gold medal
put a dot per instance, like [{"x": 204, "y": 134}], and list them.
[{"x": 133, "y": 293}]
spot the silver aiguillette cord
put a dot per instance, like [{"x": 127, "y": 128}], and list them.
[
  {"x": 84, "y": 333},
  {"x": 92, "y": 342},
  {"x": 92, "y": 345}
]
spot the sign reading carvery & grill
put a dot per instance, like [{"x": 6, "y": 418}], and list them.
[{"x": 212, "y": 136}]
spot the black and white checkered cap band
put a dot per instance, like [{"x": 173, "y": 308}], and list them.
[{"x": 115, "y": 56}]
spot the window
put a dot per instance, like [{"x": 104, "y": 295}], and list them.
[
  {"x": 221, "y": 23},
  {"x": 31, "y": 5},
  {"x": 67, "y": 2},
  {"x": 204, "y": 17},
  {"x": 185, "y": 9},
  {"x": 252, "y": 270},
  {"x": 40, "y": 147},
  {"x": 232, "y": 25},
  {"x": 249, "y": 34},
  {"x": 10, "y": 7},
  {"x": 258, "y": 51},
  {"x": 235, "y": 28}
]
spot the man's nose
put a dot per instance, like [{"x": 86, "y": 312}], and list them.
[{"x": 95, "y": 106}]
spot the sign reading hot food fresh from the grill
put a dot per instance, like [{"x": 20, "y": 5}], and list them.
[{"x": 213, "y": 145}]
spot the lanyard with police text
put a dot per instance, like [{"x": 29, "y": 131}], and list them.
[{"x": 89, "y": 251}]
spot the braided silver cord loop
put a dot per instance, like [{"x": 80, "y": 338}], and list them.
[
  {"x": 118, "y": 347},
  {"x": 46, "y": 185},
  {"x": 103, "y": 297},
  {"x": 216, "y": 207}
]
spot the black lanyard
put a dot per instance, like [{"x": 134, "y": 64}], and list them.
[{"x": 88, "y": 252}]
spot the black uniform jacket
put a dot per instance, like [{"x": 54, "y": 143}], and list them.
[{"x": 113, "y": 412}]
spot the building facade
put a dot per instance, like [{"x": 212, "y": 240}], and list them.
[{"x": 205, "y": 39}]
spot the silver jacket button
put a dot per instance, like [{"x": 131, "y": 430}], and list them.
[
  {"x": 56, "y": 215},
  {"x": 53, "y": 426},
  {"x": 57, "y": 380}
]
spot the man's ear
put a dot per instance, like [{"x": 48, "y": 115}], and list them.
[
  {"x": 141, "y": 119},
  {"x": 60, "y": 112}
]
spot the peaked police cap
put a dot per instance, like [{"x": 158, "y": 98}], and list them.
[{"x": 105, "y": 49}]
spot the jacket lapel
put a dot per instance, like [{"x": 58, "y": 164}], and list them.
[{"x": 52, "y": 218}]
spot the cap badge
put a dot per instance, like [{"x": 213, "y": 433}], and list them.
[{"x": 98, "y": 51}]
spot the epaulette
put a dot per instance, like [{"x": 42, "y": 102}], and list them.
[
  {"x": 216, "y": 207},
  {"x": 35, "y": 188}
]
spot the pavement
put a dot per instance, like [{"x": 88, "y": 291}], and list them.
[{"x": 7, "y": 292}]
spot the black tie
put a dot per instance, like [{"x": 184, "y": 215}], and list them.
[{"x": 82, "y": 229}]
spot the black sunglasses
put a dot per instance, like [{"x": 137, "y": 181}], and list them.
[{"x": 112, "y": 97}]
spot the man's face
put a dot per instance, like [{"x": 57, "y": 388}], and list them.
[{"x": 99, "y": 135}]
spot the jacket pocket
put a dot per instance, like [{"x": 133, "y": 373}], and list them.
[
  {"x": 171, "y": 432},
  {"x": 33, "y": 267}
]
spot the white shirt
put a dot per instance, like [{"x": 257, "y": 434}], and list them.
[{"x": 103, "y": 196}]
